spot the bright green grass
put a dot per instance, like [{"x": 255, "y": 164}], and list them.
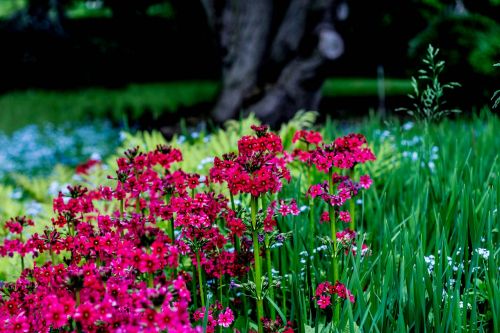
[
  {"x": 346, "y": 87},
  {"x": 9, "y": 7},
  {"x": 410, "y": 212},
  {"x": 18, "y": 109}
]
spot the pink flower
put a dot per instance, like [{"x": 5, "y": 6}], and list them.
[
  {"x": 18, "y": 324},
  {"x": 86, "y": 314},
  {"x": 365, "y": 181},
  {"x": 325, "y": 217},
  {"x": 226, "y": 318},
  {"x": 56, "y": 315},
  {"x": 324, "y": 301},
  {"x": 315, "y": 191},
  {"x": 345, "y": 217}
]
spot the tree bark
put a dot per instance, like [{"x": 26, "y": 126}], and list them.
[{"x": 273, "y": 54}]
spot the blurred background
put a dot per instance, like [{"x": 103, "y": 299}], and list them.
[{"x": 174, "y": 64}]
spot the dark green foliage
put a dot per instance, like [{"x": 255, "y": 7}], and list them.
[
  {"x": 496, "y": 95},
  {"x": 470, "y": 43}
]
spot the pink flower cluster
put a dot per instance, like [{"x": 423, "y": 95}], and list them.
[
  {"x": 118, "y": 272},
  {"x": 258, "y": 167},
  {"x": 216, "y": 314},
  {"x": 325, "y": 291},
  {"x": 134, "y": 257}
]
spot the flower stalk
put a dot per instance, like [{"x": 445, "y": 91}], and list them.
[
  {"x": 335, "y": 264},
  {"x": 257, "y": 263},
  {"x": 200, "y": 279}
]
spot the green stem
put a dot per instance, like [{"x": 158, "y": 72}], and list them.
[
  {"x": 335, "y": 264},
  {"x": 270, "y": 276},
  {"x": 200, "y": 280},
  {"x": 150, "y": 280},
  {"x": 122, "y": 208},
  {"x": 352, "y": 212},
  {"x": 220, "y": 297},
  {"x": 193, "y": 289},
  {"x": 77, "y": 297},
  {"x": 352, "y": 205},
  {"x": 221, "y": 291},
  {"x": 138, "y": 205},
  {"x": 52, "y": 256},
  {"x": 312, "y": 223},
  {"x": 22, "y": 257},
  {"x": 122, "y": 213},
  {"x": 171, "y": 230},
  {"x": 258, "y": 269},
  {"x": 233, "y": 206}
]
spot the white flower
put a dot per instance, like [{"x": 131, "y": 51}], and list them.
[
  {"x": 430, "y": 261},
  {"x": 408, "y": 126},
  {"x": 483, "y": 253},
  {"x": 96, "y": 156},
  {"x": 16, "y": 194},
  {"x": 33, "y": 208}
]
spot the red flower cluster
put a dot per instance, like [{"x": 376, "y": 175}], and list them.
[
  {"x": 217, "y": 315},
  {"x": 326, "y": 290},
  {"x": 346, "y": 239},
  {"x": 343, "y": 153},
  {"x": 86, "y": 167},
  {"x": 114, "y": 258},
  {"x": 309, "y": 137},
  {"x": 257, "y": 168},
  {"x": 274, "y": 326},
  {"x": 120, "y": 271},
  {"x": 345, "y": 190}
]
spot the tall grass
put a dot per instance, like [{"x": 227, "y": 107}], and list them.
[{"x": 448, "y": 210}]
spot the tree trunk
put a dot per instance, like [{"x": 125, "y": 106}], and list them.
[{"x": 273, "y": 54}]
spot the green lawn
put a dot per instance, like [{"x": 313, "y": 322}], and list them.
[
  {"x": 346, "y": 87},
  {"x": 18, "y": 109}
]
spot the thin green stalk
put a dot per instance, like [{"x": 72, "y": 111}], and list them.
[
  {"x": 220, "y": 298},
  {"x": 335, "y": 264},
  {"x": 122, "y": 208},
  {"x": 171, "y": 230},
  {"x": 258, "y": 268},
  {"x": 22, "y": 257},
  {"x": 138, "y": 205},
  {"x": 150, "y": 280},
  {"x": 170, "y": 225},
  {"x": 193, "y": 288},
  {"x": 270, "y": 276},
  {"x": 200, "y": 280},
  {"x": 352, "y": 206},
  {"x": 122, "y": 213}
]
